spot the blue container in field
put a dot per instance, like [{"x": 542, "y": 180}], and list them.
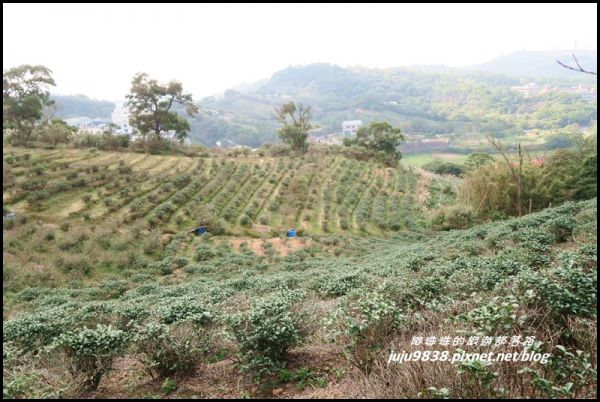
[
  {"x": 200, "y": 230},
  {"x": 291, "y": 233}
]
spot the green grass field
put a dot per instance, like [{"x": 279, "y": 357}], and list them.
[{"x": 419, "y": 160}]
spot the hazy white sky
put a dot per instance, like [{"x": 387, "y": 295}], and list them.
[{"x": 96, "y": 49}]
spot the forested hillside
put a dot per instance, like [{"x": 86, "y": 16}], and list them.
[
  {"x": 420, "y": 103},
  {"x": 82, "y": 106}
]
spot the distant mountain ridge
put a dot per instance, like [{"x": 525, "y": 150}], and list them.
[
  {"x": 424, "y": 101},
  {"x": 538, "y": 64},
  {"x": 70, "y": 106}
]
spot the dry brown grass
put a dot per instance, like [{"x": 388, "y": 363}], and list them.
[{"x": 421, "y": 379}]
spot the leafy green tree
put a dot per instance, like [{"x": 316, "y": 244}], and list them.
[
  {"x": 296, "y": 124},
  {"x": 379, "y": 136},
  {"x": 560, "y": 140},
  {"x": 566, "y": 176},
  {"x": 150, "y": 106},
  {"x": 56, "y": 132},
  {"x": 441, "y": 167},
  {"x": 477, "y": 159},
  {"x": 25, "y": 96},
  {"x": 587, "y": 179}
]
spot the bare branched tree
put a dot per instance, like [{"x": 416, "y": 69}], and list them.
[{"x": 578, "y": 68}]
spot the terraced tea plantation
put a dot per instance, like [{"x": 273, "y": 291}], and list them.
[
  {"x": 251, "y": 196},
  {"x": 107, "y": 294}
]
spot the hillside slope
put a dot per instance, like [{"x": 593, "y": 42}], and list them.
[
  {"x": 252, "y": 195},
  {"x": 530, "y": 276},
  {"x": 70, "y": 106},
  {"x": 422, "y": 104}
]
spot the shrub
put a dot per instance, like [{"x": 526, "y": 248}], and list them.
[
  {"x": 216, "y": 227},
  {"x": 31, "y": 332},
  {"x": 568, "y": 289},
  {"x": 441, "y": 167},
  {"x": 203, "y": 253},
  {"x": 30, "y": 384},
  {"x": 339, "y": 285},
  {"x": 166, "y": 350},
  {"x": 185, "y": 309},
  {"x": 74, "y": 264},
  {"x": 91, "y": 352},
  {"x": 125, "y": 169},
  {"x": 364, "y": 329},
  {"x": 245, "y": 220},
  {"x": 561, "y": 227},
  {"x": 168, "y": 386},
  {"x": 152, "y": 243},
  {"x": 35, "y": 196},
  {"x": 497, "y": 317},
  {"x": 457, "y": 217},
  {"x": 181, "y": 180},
  {"x": 267, "y": 332}
]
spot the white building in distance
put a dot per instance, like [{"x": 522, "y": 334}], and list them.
[
  {"x": 349, "y": 127},
  {"x": 528, "y": 90},
  {"x": 120, "y": 117}
]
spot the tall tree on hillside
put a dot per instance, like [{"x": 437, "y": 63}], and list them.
[
  {"x": 150, "y": 105},
  {"x": 477, "y": 159},
  {"x": 296, "y": 124},
  {"x": 378, "y": 137},
  {"x": 25, "y": 96}
]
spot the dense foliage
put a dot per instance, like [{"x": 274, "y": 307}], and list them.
[
  {"x": 561, "y": 176},
  {"x": 420, "y": 103},
  {"x": 25, "y": 98}
]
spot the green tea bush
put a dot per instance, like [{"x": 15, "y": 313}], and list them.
[
  {"x": 364, "y": 329},
  {"x": 568, "y": 289},
  {"x": 203, "y": 253},
  {"x": 91, "y": 352},
  {"x": 424, "y": 291},
  {"x": 561, "y": 227},
  {"x": 166, "y": 350},
  {"x": 31, "y": 332},
  {"x": 500, "y": 316},
  {"x": 457, "y": 217},
  {"x": 185, "y": 309},
  {"x": 27, "y": 383},
  {"x": 266, "y": 332},
  {"x": 339, "y": 285}
]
